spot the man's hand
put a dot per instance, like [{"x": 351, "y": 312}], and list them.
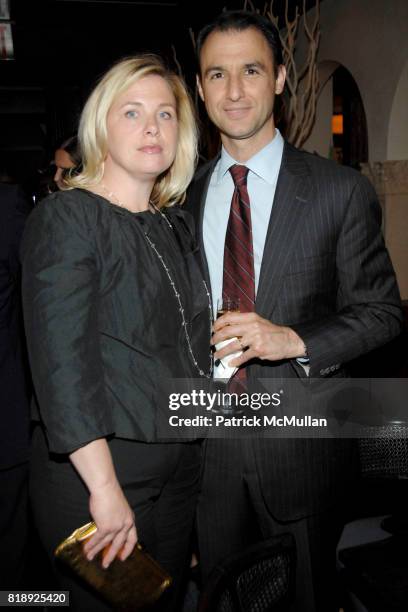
[{"x": 257, "y": 337}]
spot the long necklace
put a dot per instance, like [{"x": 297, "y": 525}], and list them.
[
  {"x": 174, "y": 288},
  {"x": 181, "y": 308}
]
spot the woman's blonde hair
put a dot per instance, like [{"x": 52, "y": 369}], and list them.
[{"x": 171, "y": 185}]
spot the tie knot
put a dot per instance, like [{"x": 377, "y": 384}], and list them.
[{"x": 239, "y": 174}]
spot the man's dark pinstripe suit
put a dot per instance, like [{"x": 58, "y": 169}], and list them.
[{"x": 326, "y": 274}]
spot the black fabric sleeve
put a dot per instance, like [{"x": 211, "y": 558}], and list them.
[{"x": 60, "y": 300}]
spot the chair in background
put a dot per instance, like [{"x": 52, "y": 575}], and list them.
[
  {"x": 372, "y": 551},
  {"x": 260, "y": 579}
]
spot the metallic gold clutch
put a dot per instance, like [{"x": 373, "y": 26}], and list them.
[{"x": 131, "y": 584}]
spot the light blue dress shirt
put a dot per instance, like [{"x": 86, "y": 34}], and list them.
[{"x": 262, "y": 178}]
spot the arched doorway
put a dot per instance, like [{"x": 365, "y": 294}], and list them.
[
  {"x": 397, "y": 144},
  {"x": 340, "y": 131},
  {"x": 349, "y": 125}
]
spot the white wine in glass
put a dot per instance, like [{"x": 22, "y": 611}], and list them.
[
  {"x": 222, "y": 370},
  {"x": 227, "y": 304}
]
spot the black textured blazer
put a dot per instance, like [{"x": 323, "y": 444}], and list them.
[{"x": 102, "y": 321}]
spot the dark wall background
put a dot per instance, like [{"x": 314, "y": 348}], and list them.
[{"x": 62, "y": 46}]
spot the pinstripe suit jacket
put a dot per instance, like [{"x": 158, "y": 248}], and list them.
[{"x": 326, "y": 273}]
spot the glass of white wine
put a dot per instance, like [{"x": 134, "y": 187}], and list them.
[
  {"x": 221, "y": 368},
  {"x": 227, "y": 304}
]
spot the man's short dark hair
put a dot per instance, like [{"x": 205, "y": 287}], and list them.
[{"x": 239, "y": 21}]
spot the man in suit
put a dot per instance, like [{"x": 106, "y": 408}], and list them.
[
  {"x": 298, "y": 239},
  {"x": 14, "y": 409}
]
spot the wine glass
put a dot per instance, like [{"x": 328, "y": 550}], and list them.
[
  {"x": 227, "y": 304},
  {"x": 222, "y": 370}
]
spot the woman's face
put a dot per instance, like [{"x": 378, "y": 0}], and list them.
[
  {"x": 62, "y": 162},
  {"x": 142, "y": 130}
]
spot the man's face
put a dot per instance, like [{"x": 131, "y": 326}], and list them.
[{"x": 238, "y": 85}]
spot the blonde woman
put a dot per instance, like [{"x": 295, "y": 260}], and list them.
[{"x": 113, "y": 304}]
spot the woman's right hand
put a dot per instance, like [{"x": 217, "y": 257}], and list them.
[
  {"x": 108, "y": 505},
  {"x": 115, "y": 522}
]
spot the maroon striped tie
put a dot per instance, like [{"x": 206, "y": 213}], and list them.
[{"x": 239, "y": 274}]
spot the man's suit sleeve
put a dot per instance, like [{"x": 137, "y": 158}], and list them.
[{"x": 368, "y": 302}]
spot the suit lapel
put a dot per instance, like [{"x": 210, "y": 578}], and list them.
[{"x": 290, "y": 206}]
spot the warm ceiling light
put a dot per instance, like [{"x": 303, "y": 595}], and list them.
[{"x": 337, "y": 124}]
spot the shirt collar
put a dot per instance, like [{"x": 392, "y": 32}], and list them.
[{"x": 265, "y": 164}]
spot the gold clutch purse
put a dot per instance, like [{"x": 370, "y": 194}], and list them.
[{"x": 128, "y": 585}]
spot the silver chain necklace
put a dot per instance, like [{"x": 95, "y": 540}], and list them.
[
  {"x": 181, "y": 308},
  {"x": 175, "y": 291}
]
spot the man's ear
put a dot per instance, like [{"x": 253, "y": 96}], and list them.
[
  {"x": 199, "y": 87},
  {"x": 280, "y": 79}
]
